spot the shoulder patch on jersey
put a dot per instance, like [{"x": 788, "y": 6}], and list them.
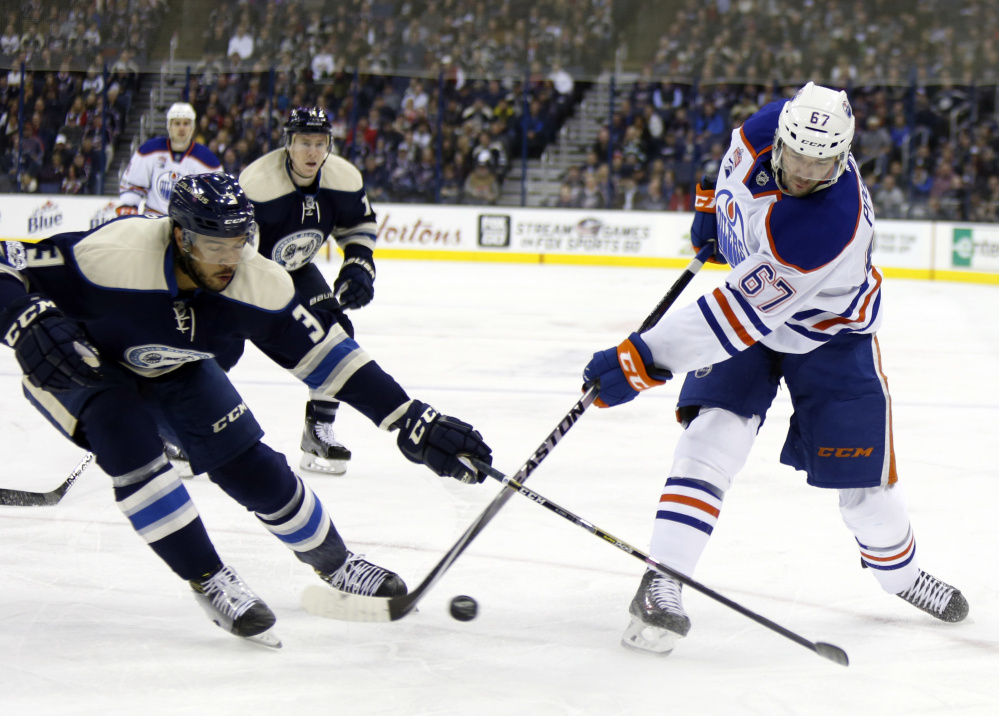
[
  {"x": 265, "y": 179},
  {"x": 261, "y": 283},
  {"x": 807, "y": 233},
  {"x": 126, "y": 254},
  {"x": 156, "y": 144},
  {"x": 340, "y": 175}
]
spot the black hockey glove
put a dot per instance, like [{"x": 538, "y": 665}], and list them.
[
  {"x": 51, "y": 351},
  {"x": 428, "y": 438},
  {"x": 355, "y": 285}
]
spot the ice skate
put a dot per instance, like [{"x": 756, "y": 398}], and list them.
[
  {"x": 359, "y": 576},
  {"x": 322, "y": 452},
  {"x": 178, "y": 458},
  {"x": 657, "y": 617},
  {"x": 936, "y": 598},
  {"x": 233, "y": 606}
]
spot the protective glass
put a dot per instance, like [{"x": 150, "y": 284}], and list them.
[
  {"x": 220, "y": 250},
  {"x": 804, "y": 167}
]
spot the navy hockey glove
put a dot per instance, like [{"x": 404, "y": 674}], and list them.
[
  {"x": 428, "y": 438},
  {"x": 51, "y": 351},
  {"x": 355, "y": 285},
  {"x": 705, "y": 226},
  {"x": 623, "y": 372}
]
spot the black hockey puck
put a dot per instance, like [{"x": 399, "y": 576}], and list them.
[{"x": 464, "y": 608}]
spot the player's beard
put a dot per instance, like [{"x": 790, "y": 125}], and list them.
[{"x": 214, "y": 281}]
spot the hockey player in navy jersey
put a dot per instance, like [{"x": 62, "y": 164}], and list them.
[
  {"x": 159, "y": 162},
  {"x": 802, "y": 303},
  {"x": 115, "y": 330},
  {"x": 303, "y": 194}
]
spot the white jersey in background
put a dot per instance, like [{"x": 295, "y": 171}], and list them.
[{"x": 154, "y": 169}]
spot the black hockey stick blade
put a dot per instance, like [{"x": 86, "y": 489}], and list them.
[
  {"x": 332, "y": 604},
  {"x": 24, "y": 498},
  {"x": 827, "y": 651}
]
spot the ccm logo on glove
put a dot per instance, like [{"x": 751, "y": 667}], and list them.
[
  {"x": 633, "y": 367},
  {"x": 27, "y": 317}
]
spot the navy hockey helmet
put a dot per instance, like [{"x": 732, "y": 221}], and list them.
[
  {"x": 209, "y": 207},
  {"x": 307, "y": 120}
]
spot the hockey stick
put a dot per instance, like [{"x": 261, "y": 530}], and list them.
[
  {"x": 333, "y": 604},
  {"x": 22, "y": 498},
  {"x": 827, "y": 651}
]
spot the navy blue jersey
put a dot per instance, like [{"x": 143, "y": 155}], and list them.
[
  {"x": 294, "y": 222},
  {"x": 118, "y": 282}
]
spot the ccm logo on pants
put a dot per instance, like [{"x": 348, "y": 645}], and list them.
[{"x": 231, "y": 417}]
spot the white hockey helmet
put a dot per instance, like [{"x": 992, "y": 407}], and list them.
[
  {"x": 817, "y": 126},
  {"x": 180, "y": 110}
]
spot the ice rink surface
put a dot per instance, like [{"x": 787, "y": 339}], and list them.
[{"x": 93, "y": 623}]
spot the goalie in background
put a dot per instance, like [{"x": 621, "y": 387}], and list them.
[
  {"x": 161, "y": 161},
  {"x": 791, "y": 215},
  {"x": 116, "y": 340}
]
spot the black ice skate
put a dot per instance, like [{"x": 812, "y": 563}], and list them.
[
  {"x": 359, "y": 576},
  {"x": 322, "y": 452},
  {"x": 233, "y": 606},
  {"x": 657, "y": 616},
  {"x": 937, "y": 598}
]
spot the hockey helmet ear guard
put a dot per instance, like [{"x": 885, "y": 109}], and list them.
[
  {"x": 814, "y": 133},
  {"x": 215, "y": 217}
]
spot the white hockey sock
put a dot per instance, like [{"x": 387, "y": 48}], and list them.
[
  {"x": 302, "y": 524},
  {"x": 712, "y": 449},
  {"x": 687, "y": 514},
  {"x": 879, "y": 520}
]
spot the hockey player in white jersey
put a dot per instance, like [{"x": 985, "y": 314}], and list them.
[
  {"x": 158, "y": 164},
  {"x": 303, "y": 194},
  {"x": 791, "y": 215}
]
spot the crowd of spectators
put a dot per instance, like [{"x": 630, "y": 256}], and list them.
[
  {"x": 434, "y": 99},
  {"x": 59, "y": 121},
  {"x": 467, "y": 87},
  {"x": 923, "y": 82}
]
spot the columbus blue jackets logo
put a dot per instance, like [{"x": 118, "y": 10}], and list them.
[
  {"x": 159, "y": 356},
  {"x": 296, "y": 250}
]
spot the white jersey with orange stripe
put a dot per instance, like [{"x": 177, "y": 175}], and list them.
[
  {"x": 801, "y": 266},
  {"x": 155, "y": 168}
]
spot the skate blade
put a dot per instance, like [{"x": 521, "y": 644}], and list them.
[
  {"x": 266, "y": 638},
  {"x": 639, "y": 635},
  {"x": 321, "y": 465}
]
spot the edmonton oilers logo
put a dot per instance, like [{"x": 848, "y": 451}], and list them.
[
  {"x": 164, "y": 184},
  {"x": 703, "y": 372}
]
